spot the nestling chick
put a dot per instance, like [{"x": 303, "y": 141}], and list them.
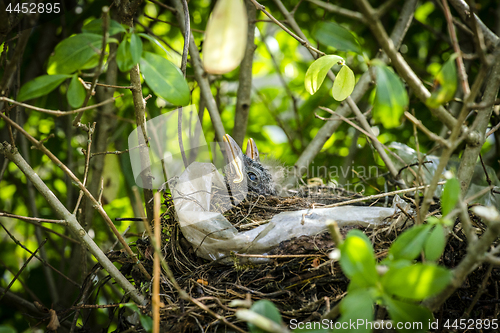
[{"x": 246, "y": 172}]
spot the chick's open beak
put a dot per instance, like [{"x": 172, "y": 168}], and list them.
[
  {"x": 233, "y": 152},
  {"x": 252, "y": 150}
]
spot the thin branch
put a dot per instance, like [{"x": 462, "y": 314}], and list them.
[
  {"x": 426, "y": 131},
  {"x": 87, "y": 164},
  {"x": 43, "y": 261},
  {"x": 22, "y": 268},
  {"x": 98, "y": 70},
  {"x": 202, "y": 79},
  {"x": 302, "y": 41},
  {"x": 58, "y": 113},
  {"x": 362, "y": 86},
  {"x": 339, "y": 10},
  {"x": 464, "y": 11},
  {"x": 404, "y": 70},
  {"x": 244, "y": 93},
  {"x": 187, "y": 33},
  {"x": 73, "y": 224},
  {"x": 462, "y": 74},
  {"x": 66, "y": 170},
  {"x": 377, "y": 196}
]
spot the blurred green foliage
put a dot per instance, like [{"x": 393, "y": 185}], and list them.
[{"x": 274, "y": 111}]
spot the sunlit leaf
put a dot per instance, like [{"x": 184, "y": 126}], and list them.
[
  {"x": 410, "y": 317},
  {"x": 343, "y": 84},
  {"x": 390, "y": 98},
  {"x": 357, "y": 259},
  {"x": 95, "y": 27},
  {"x": 73, "y": 53},
  {"x": 335, "y": 35},
  {"x": 410, "y": 243},
  {"x": 316, "y": 73},
  {"x": 40, "y": 86},
  {"x": 435, "y": 243},
  {"x": 76, "y": 93},
  {"x": 445, "y": 84},
  {"x": 135, "y": 48},
  {"x": 267, "y": 309},
  {"x": 451, "y": 193},
  {"x": 225, "y": 37},
  {"x": 416, "y": 282},
  {"x": 155, "y": 42},
  {"x": 129, "y": 53},
  {"x": 357, "y": 305},
  {"x": 164, "y": 79}
]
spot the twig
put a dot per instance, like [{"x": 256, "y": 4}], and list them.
[
  {"x": 96, "y": 205},
  {"x": 173, "y": 10},
  {"x": 187, "y": 33},
  {"x": 32, "y": 219},
  {"x": 462, "y": 74},
  {"x": 98, "y": 70},
  {"x": 156, "y": 265},
  {"x": 243, "y": 95},
  {"x": 377, "y": 196},
  {"x": 300, "y": 40},
  {"x": 478, "y": 35},
  {"x": 426, "y": 131},
  {"x": 58, "y": 113},
  {"x": 22, "y": 268},
  {"x": 109, "y": 85},
  {"x": 400, "y": 63},
  {"x": 36, "y": 256},
  {"x": 202, "y": 79},
  {"x": 73, "y": 224},
  {"x": 339, "y": 10},
  {"x": 87, "y": 165},
  {"x": 478, "y": 293},
  {"x": 364, "y": 83},
  {"x": 376, "y": 143},
  {"x": 464, "y": 11}
]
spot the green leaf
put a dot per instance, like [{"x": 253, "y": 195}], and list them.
[
  {"x": 95, "y": 27},
  {"x": 416, "y": 282},
  {"x": 343, "y": 84},
  {"x": 7, "y": 329},
  {"x": 435, "y": 244},
  {"x": 390, "y": 99},
  {"x": 123, "y": 58},
  {"x": 316, "y": 73},
  {"x": 335, "y": 35},
  {"x": 40, "y": 86},
  {"x": 73, "y": 53},
  {"x": 413, "y": 318},
  {"x": 76, "y": 93},
  {"x": 451, "y": 193},
  {"x": 155, "y": 42},
  {"x": 357, "y": 259},
  {"x": 164, "y": 79},
  {"x": 445, "y": 84},
  {"x": 267, "y": 309},
  {"x": 357, "y": 305},
  {"x": 135, "y": 48},
  {"x": 410, "y": 243}
]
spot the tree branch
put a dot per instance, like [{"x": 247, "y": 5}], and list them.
[{"x": 73, "y": 224}]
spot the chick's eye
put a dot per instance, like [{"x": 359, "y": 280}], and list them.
[{"x": 252, "y": 176}]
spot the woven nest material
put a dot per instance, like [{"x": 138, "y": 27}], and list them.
[{"x": 300, "y": 279}]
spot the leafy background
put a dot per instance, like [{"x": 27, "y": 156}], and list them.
[{"x": 282, "y": 120}]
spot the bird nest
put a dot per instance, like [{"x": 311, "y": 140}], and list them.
[{"x": 300, "y": 279}]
